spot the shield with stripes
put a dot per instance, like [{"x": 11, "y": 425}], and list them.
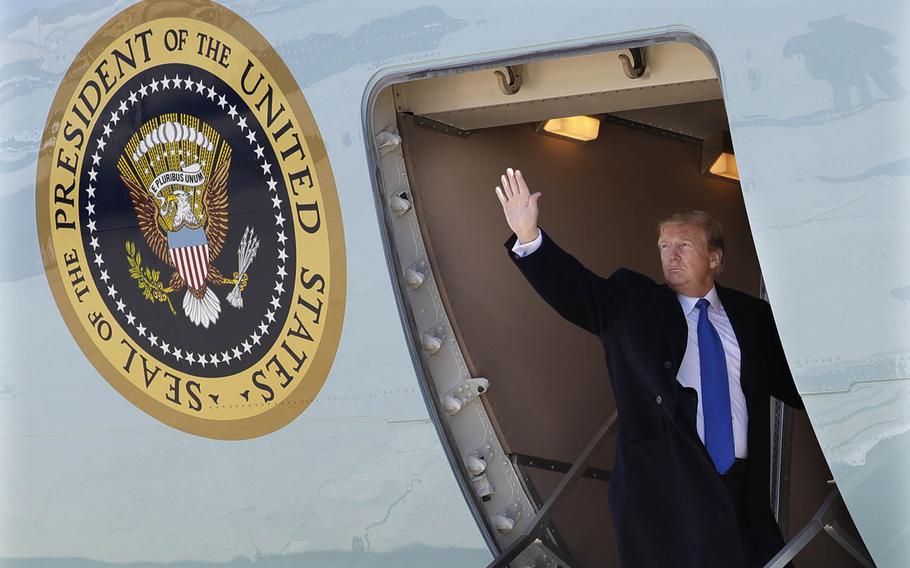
[{"x": 189, "y": 250}]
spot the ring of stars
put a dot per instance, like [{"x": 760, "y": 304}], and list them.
[{"x": 179, "y": 353}]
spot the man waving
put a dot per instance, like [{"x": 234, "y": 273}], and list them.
[{"x": 692, "y": 366}]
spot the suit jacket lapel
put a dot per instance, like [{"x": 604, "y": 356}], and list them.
[
  {"x": 673, "y": 322},
  {"x": 676, "y": 331},
  {"x": 744, "y": 337}
]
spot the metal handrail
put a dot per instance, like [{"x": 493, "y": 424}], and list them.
[
  {"x": 823, "y": 519},
  {"x": 535, "y": 529}
]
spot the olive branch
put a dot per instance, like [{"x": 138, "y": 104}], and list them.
[{"x": 148, "y": 280}]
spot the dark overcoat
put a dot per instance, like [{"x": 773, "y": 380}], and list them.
[{"x": 670, "y": 508}]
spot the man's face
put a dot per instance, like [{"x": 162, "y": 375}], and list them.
[{"x": 687, "y": 264}]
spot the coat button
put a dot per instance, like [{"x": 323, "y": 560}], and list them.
[
  {"x": 658, "y": 400},
  {"x": 668, "y": 365}
]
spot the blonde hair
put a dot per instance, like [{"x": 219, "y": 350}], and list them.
[{"x": 714, "y": 233}]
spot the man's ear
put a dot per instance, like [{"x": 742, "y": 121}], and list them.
[{"x": 715, "y": 258}]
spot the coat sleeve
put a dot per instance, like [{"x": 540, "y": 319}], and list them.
[
  {"x": 782, "y": 385},
  {"x": 577, "y": 294}
]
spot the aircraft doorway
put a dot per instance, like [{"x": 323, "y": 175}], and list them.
[{"x": 441, "y": 144}]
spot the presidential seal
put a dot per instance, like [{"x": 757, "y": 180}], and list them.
[{"x": 189, "y": 223}]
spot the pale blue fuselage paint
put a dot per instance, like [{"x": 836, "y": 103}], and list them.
[{"x": 816, "y": 95}]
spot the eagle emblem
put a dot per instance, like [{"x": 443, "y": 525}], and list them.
[{"x": 175, "y": 169}]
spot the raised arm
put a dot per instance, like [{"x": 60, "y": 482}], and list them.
[{"x": 582, "y": 297}]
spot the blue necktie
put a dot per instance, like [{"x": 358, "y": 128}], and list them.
[{"x": 715, "y": 392}]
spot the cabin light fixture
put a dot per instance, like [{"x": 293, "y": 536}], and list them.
[
  {"x": 718, "y": 158},
  {"x": 582, "y": 128}
]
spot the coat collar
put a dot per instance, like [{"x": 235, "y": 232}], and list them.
[
  {"x": 688, "y": 303},
  {"x": 671, "y": 312}
]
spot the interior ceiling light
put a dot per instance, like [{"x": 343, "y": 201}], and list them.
[
  {"x": 725, "y": 166},
  {"x": 718, "y": 158},
  {"x": 584, "y": 128}
]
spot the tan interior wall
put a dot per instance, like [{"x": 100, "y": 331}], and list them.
[{"x": 601, "y": 200}]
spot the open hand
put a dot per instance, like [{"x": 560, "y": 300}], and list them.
[{"x": 518, "y": 205}]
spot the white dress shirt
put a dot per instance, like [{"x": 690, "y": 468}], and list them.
[
  {"x": 690, "y": 370},
  {"x": 522, "y": 250}
]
